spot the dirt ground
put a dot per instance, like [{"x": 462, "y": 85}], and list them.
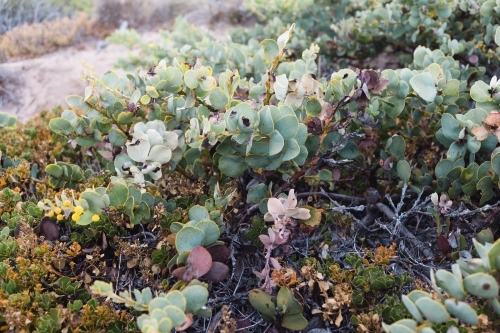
[{"x": 43, "y": 83}]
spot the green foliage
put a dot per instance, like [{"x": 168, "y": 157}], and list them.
[
  {"x": 259, "y": 116},
  {"x": 7, "y": 120},
  {"x": 166, "y": 311},
  {"x": 371, "y": 281},
  {"x": 290, "y": 311},
  {"x": 476, "y": 277}
]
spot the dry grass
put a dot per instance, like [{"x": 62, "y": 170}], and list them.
[{"x": 30, "y": 40}]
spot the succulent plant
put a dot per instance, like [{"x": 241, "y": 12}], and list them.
[
  {"x": 7, "y": 120},
  {"x": 473, "y": 277},
  {"x": 166, "y": 311},
  {"x": 290, "y": 311}
]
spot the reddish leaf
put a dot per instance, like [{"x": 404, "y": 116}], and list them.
[
  {"x": 184, "y": 273},
  {"x": 443, "y": 244},
  {"x": 365, "y": 143},
  {"x": 49, "y": 229},
  {"x": 473, "y": 58},
  {"x": 198, "y": 263},
  {"x": 388, "y": 163},
  {"x": 219, "y": 252},
  {"x": 219, "y": 272},
  {"x": 200, "y": 260}
]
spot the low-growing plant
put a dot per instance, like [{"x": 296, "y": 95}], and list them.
[
  {"x": 36, "y": 39},
  {"x": 475, "y": 277}
]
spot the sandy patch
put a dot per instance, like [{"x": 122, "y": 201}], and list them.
[{"x": 43, "y": 83}]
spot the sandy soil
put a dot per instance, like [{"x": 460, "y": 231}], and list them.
[{"x": 43, "y": 83}]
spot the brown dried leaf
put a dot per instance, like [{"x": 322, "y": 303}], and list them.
[
  {"x": 480, "y": 133},
  {"x": 493, "y": 119},
  {"x": 58, "y": 263},
  {"x": 171, "y": 239},
  {"x": 326, "y": 111},
  {"x": 132, "y": 263},
  {"x": 147, "y": 262},
  {"x": 382, "y": 84},
  {"x": 371, "y": 78},
  {"x": 87, "y": 279},
  {"x": 217, "y": 273},
  {"x": 443, "y": 244},
  {"x": 49, "y": 229},
  {"x": 338, "y": 321},
  {"x": 104, "y": 241}
]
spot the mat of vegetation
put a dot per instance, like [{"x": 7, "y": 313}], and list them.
[{"x": 264, "y": 183}]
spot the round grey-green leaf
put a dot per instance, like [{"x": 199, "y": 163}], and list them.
[
  {"x": 479, "y": 92},
  {"x": 412, "y": 308},
  {"x": 191, "y": 79},
  {"x": 481, "y": 285},
  {"x": 433, "y": 310},
  {"x": 290, "y": 150},
  {"x": 258, "y": 193},
  {"x": 218, "y": 98},
  {"x": 196, "y": 296},
  {"x": 110, "y": 79},
  {"x": 116, "y": 137},
  {"x": 211, "y": 231},
  {"x": 397, "y": 147},
  {"x": 313, "y": 107},
  {"x": 232, "y": 165},
  {"x": 462, "y": 311},
  {"x": 350, "y": 150},
  {"x": 423, "y": 85},
  {"x": 276, "y": 143},
  {"x": 287, "y": 126},
  {"x": 187, "y": 238},
  {"x": 198, "y": 213},
  {"x": 271, "y": 49},
  {"x": 152, "y": 92},
  {"x": 404, "y": 170},
  {"x": 60, "y": 126}
]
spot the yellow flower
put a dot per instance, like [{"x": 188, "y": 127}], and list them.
[
  {"x": 66, "y": 203},
  {"x": 79, "y": 210},
  {"x": 75, "y": 217},
  {"x": 50, "y": 213},
  {"x": 95, "y": 218},
  {"x": 60, "y": 217},
  {"x": 57, "y": 210}
]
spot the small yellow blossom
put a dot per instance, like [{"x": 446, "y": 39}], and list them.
[
  {"x": 75, "y": 217},
  {"x": 60, "y": 217},
  {"x": 79, "y": 210},
  {"x": 66, "y": 203},
  {"x": 57, "y": 210},
  {"x": 95, "y": 218},
  {"x": 50, "y": 213}
]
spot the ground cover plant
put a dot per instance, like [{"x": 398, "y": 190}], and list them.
[{"x": 264, "y": 183}]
